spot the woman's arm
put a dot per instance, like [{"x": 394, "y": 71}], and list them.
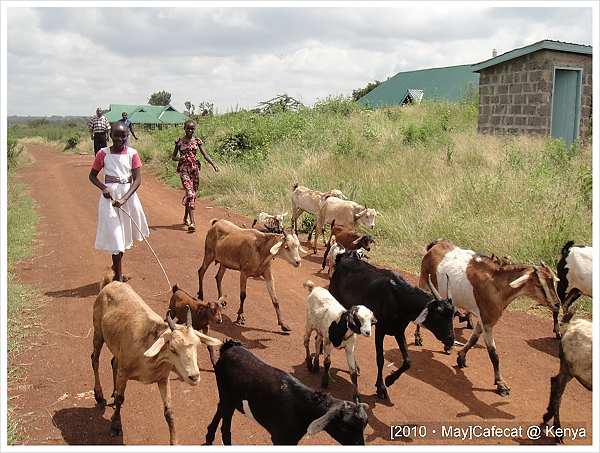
[{"x": 208, "y": 159}]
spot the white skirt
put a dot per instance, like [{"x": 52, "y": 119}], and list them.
[{"x": 116, "y": 230}]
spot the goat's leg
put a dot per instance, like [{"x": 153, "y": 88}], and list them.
[
  {"x": 226, "y": 426},
  {"x": 212, "y": 428},
  {"x": 308, "y": 359},
  {"x": 243, "y": 283},
  {"x": 352, "y": 367},
  {"x": 318, "y": 352},
  {"x": 557, "y": 387},
  {"x": 327, "y": 347},
  {"x": 418, "y": 338},
  {"x": 164, "y": 385},
  {"x": 219, "y": 279},
  {"x": 268, "y": 276},
  {"x": 318, "y": 230},
  {"x": 121, "y": 382},
  {"x": 502, "y": 387},
  {"x": 461, "y": 360},
  {"x": 114, "y": 363},
  {"x": 98, "y": 342},
  {"x": 406, "y": 362},
  {"x": 381, "y": 389},
  {"x": 207, "y": 260}
]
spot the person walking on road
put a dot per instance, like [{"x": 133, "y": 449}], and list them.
[{"x": 99, "y": 130}]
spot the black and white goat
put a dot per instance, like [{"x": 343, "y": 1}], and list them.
[
  {"x": 279, "y": 402},
  {"x": 335, "y": 327},
  {"x": 574, "y": 272}
]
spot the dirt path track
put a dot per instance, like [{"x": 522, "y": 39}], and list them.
[{"x": 55, "y": 396}]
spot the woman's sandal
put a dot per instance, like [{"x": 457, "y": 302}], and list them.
[{"x": 192, "y": 227}]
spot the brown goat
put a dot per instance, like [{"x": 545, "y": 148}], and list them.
[
  {"x": 203, "y": 313},
  {"x": 347, "y": 238}
]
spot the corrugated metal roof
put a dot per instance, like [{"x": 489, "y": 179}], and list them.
[
  {"x": 146, "y": 114},
  {"x": 541, "y": 45},
  {"x": 448, "y": 83}
]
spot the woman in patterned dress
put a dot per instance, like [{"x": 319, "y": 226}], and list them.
[
  {"x": 189, "y": 169},
  {"x": 122, "y": 177}
]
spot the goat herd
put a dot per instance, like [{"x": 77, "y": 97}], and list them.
[{"x": 146, "y": 347}]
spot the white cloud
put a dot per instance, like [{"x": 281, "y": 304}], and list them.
[{"x": 67, "y": 60}]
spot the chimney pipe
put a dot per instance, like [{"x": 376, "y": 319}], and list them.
[{"x": 494, "y": 53}]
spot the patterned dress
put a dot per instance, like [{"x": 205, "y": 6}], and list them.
[
  {"x": 189, "y": 169},
  {"x": 116, "y": 230}
]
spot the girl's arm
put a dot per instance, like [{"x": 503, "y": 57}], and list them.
[
  {"x": 136, "y": 174},
  {"x": 175, "y": 151},
  {"x": 208, "y": 159},
  {"x": 95, "y": 181}
]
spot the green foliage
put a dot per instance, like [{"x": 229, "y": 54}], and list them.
[
  {"x": 359, "y": 93},
  {"x": 160, "y": 98},
  {"x": 14, "y": 150},
  {"x": 73, "y": 141}
]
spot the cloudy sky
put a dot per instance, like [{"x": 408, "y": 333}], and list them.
[{"x": 67, "y": 58}]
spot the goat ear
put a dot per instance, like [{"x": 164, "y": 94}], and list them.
[
  {"x": 520, "y": 281},
  {"x": 284, "y": 214},
  {"x": 356, "y": 241},
  {"x": 210, "y": 341},
  {"x": 276, "y": 247},
  {"x": 158, "y": 344},
  {"x": 320, "y": 423},
  {"x": 422, "y": 316}
]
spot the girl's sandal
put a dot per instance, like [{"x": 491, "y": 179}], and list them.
[
  {"x": 186, "y": 222},
  {"x": 192, "y": 227}
]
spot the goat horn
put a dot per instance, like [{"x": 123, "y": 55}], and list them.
[
  {"x": 433, "y": 290},
  {"x": 189, "y": 317},
  {"x": 448, "y": 287},
  {"x": 170, "y": 321}
]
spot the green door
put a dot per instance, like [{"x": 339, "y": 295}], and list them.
[{"x": 565, "y": 104}]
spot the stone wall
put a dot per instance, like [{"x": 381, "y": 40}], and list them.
[{"x": 515, "y": 97}]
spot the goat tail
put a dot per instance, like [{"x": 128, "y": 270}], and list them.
[
  {"x": 230, "y": 343},
  {"x": 308, "y": 284},
  {"x": 213, "y": 221},
  {"x": 566, "y": 247},
  {"x": 296, "y": 186},
  {"x": 175, "y": 288},
  {"x": 106, "y": 278}
]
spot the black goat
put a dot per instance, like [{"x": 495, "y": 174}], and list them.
[
  {"x": 279, "y": 402},
  {"x": 395, "y": 303}
]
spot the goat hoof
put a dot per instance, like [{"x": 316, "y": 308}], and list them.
[
  {"x": 461, "y": 362},
  {"x": 447, "y": 350},
  {"x": 418, "y": 342},
  {"x": 101, "y": 401},
  {"x": 116, "y": 431},
  {"x": 382, "y": 393},
  {"x": 503, "y": 391},
  {"x": 285, "y": 328}
]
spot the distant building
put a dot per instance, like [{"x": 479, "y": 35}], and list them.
[
  {"x": 150, "y": 116},
  {"x": 543, "y": 89},
  {"x": 451, "y": 84}
]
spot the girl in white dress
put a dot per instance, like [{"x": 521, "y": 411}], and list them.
[{"x": 122, "y": 177}]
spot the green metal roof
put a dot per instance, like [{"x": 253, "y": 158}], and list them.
[
  {"x": 146, "y": 114},
  {"x": 448, "y": 83},
  {"x": 541, "y": 45}
]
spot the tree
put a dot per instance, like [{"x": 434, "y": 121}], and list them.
[
  {"x": 160, "y": 98},
  {"x": 359, "y": 93},
  {"x": 189, "y": 108}
]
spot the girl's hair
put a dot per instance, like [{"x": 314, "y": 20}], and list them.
[{"x": 190, "y": 122}]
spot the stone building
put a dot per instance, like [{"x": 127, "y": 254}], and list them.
[{"x": 543, "y": 89}]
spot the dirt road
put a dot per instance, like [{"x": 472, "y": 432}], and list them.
[{"x": 55, "y": 396}]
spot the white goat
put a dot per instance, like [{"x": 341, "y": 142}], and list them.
[
  {"x": 308, "y": 200},
  {"x": 575, "y": 355},
  {"x": 336, "y": 327},
  {"x": 145, "y": 348},
  {"x": 268, "y": 223}
]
